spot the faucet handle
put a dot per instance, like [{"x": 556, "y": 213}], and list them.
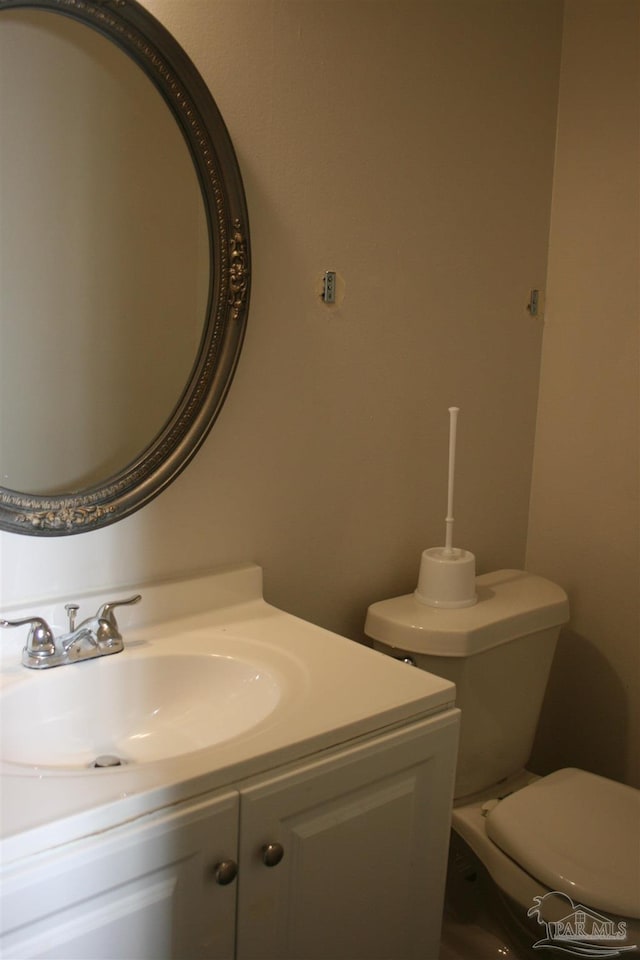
[
  {"x": 105, "y": 612},
  {"x": 40, "y": 642},
  {"x": 109, "y": 631}
]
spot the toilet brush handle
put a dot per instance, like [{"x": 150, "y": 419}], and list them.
[{"x": 453, "y": 429}]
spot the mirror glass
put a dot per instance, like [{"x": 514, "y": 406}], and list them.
[
  {"x": 102, "y": 303},
  {"x": 124, "y": 262}
]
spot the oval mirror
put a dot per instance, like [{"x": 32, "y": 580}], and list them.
[{"x": 124, "y": 262}]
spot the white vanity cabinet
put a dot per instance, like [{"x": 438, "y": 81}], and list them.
[{"x": 363, "y": 832}]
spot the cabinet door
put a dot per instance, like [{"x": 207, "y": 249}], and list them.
[
  {"x": 142, "y": 892},
  {"x": 364, "y": 833}
]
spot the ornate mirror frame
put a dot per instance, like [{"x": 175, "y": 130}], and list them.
[{"x": 156, "y": 52}]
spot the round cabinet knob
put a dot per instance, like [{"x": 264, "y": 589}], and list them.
[
  {"x": 225, "y": 872},
  {"x": 272, "y": 854}
]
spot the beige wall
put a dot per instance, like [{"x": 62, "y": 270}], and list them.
[
  {"x": 584, "y": 526},
  {"x": 409, "y": 146}
]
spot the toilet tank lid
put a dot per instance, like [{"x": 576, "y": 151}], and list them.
[
  {"x": 577, "y": 833},
  {"x": 511, "y": 603}
]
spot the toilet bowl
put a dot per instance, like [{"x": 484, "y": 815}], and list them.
[
  {"x": 555, "y": 847},
  {"x": 562, "y": 851}
]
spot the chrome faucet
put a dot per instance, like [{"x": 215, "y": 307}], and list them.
[{"x": 96, "y": 636}]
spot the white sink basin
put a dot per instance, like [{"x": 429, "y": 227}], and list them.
[
  {"x": 214, "y": 686},
  {"x": 135, "y": 708}
]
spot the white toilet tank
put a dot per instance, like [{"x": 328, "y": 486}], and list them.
[{"x": 497, "y": 652}]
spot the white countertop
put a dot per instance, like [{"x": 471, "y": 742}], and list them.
[{"x": 333, "y": 690}]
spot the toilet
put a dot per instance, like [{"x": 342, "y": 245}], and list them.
[{"x": 560, "y": 852}]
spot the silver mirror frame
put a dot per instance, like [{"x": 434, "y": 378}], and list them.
[{"x": 152, "y": 47}]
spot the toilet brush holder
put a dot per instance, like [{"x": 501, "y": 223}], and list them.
[{"x": 447, "y": 578}]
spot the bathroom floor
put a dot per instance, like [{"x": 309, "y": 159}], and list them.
[
  {"x": 471, "y": 929},
  {"x": 473, "y": 940}
]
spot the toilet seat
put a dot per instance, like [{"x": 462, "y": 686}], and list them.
[{"x": 577, "y": 833}]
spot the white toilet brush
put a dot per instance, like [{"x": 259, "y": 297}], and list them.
[{"x": 448, "y": 574}]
